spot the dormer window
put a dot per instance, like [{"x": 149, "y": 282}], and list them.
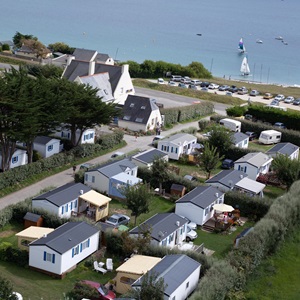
[
  {"x": 131, "y": 105},
  {"x": 143, "y": 107},
  {"x": 139, "y": 120},
  {"x": 127, "y": 118}
]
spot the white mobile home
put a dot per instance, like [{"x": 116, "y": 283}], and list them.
[
  {"x": 269, "y": 137},
  {"x": 232, "y": 125}
]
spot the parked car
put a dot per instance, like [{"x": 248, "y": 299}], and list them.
[
  {"x": 275, "y": 102},
  {"x": 289, "y": 99},
  {"x": 204, "y": 84},
  {"x": 190, "y": 178},
  {"x": 252, "y": 135},
  {"x": 213, "y": 86},
  {"x": 118, "y": 219},
  {"x": 228, "y": 93},
  {"x": 182, "y": 85},
  {"x": 185, "y": 80},
  {"x": 117, "y": 154},
  {"x": 172, "y": 83},
  {"x": 248, "y": 117},
  {"x": 268, "y": 96},
  {"x": 104, "y": 292},
  {"x": 233, "y": 89},
  {"x": 195, "y": 82},
  {"x": 254, "y": 93},
  {"x": 242, "y": 91},
  {"x": 160, "y": 81},
  {"x": 279, "y": 125},
  {"x": 227, "y": 164},
  {"x": 190, "y": 224},
  {"x": 204, "y": 89},
  {"x": 223, "y": 87},
  {"x": 297, "y": 101},
  {"x": 176, "y": 78},
  {"x": 193, "y": 87},
  {"x": 190, "y": 234},
  {"x": 86, "y": 166},
  {"x": 279, "y": 97}
]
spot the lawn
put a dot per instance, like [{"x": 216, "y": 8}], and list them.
[
  {"x": 255, "y": 146},
  {"x": 278, "y": 277}
]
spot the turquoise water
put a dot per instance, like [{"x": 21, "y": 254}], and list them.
[{"x": 167, "y": 30}]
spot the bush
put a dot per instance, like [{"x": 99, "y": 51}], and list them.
[
  {"x": 236, "y": 111},
  {"x": 10, "y": 254}
]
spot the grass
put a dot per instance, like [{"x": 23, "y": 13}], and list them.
[
  {"x": 273, "y": 192},
  {"x": 255, "y": 146},
  {"x": 278, "y": 276}
]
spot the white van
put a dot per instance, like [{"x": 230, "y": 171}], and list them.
[
  {"x": 175, "y": 78},
  {"x": 195, "y": 82},
  {"x": 269, "y": 137},
  {"x": 232, "y": 125}
]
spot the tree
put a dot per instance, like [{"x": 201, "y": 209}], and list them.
[
  {"x": 209, "y": 159},
  {"x": 61, "y": 47},
  {"x": 160, "y": 172},
  {"x": 18, "y": 38},
  {"x": 137, "y": 199},
  {"x": 151, "y": 288},
  {"x": 220, "y": 138},
  {"x": 82, "y": 290},
  {"x": 6, "y": 290},
  {"x": 288, "y": 170}
]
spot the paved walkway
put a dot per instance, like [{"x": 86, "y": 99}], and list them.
[{"x": 142, "y": 143}]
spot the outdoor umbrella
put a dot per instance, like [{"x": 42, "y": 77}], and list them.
[{"x": 223, "y": 207}]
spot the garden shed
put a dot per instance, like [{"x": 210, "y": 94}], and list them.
[
  {"x": 31, "y": 219},
  {"x": 177, "y": 190}
]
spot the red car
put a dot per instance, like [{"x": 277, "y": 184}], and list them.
[{"x": 104, "y": 293}]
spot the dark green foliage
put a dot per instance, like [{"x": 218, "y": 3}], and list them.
[
  {"x": 13, "y": 255},
  {"x": 5, "y": 47},
  {"x": 6, "y": 290},
  {"x": 154, "y": 69},
  {"x": 61, "y": 47},
  {"x": 236, "y": 111},
  {"x": 47, "y": 71},
  {"x": 203, "y": 124},
  {"x": 108, "y": 141},
  {"x": 236, "y": 153},
  {"x": 18, "y": 38},
  {"x": 81, "y": 291},
  {"x": 5, "y": 216},
  {"x": 220, "y": 138}
]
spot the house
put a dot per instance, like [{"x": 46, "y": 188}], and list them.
[
  {"x": 19, "y": 158},
  {"x": 250, "y": 187},
  {"x": 167, "y": 229},
  {"x": 30, "y": 234},
  {"x": 92, "y": 55},
  {"x": 240, "y": 140},
  {"x": 177, "y": 144},
  {"x": 61, "y": 201},
  {"x": 132, "y": 269},
  {"x": 253, "y": 164},
  {"x": 140, "y": 114},
  {"x": 87, "y": 137},
  {"x": 289, "y": 149},
  {"x": 98, "y": 81},
  {"x": 100, "y": 178},
  {"x": 47, "y": 146},
  {"x": 27, "y": 50},
  {"x": 58, "y": 252},
  {"x": 119, "y": 77},
  {"x": 187, "y": 272},
  {"x": 31, "y": 219},
  {"x": 146, "y": 158},
  {"x": 197, "y": 205}
]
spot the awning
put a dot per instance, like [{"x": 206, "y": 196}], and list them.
[
  {"x": 222, "y": 207},
  {"x": 95, "y": 198},
  {"x": 250, "y": 185}
]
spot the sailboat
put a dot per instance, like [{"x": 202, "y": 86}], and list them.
[
  {"x": 242, "y": 46},
  {"x": 245, "y": 70}
]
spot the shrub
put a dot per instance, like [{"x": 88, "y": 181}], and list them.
[{"x": 236, "y": 111}]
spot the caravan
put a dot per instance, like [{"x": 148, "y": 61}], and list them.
[
  {"x": 232, "y": 125},
  {"x": 269, "y": 137}
]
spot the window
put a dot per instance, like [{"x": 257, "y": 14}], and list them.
[
  {"x": 187, "y": 285},
  {"x": 84, "y": 245},
  {"x": 174, "y": 298},
  {"x": 152, "y": 121},
  {"x": 164, "y": 242},
  {"x": 127, "y": 280},
  {"x": 139, "y": 120},
  {"x": 67, "y": 207},
  {"x": 171, "y": 149},
  {"x": 127, "y": 118},
  {"x": 15, "y": 159},
  {"x": 176, "y": 150},
  {"x": 206, "y": 210},
  {"x": 75, "y": 251},
  {"x": 62, "y": 210},
  {"x": 49, "y": 257},
  {"x": 75, "y": 203},
  {"x": 50, "y": 148}
]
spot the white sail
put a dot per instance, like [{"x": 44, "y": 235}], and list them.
[{"x": 245, "y": 70}]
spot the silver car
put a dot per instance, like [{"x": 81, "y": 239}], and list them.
[
  {"x": 117, "y": 220},
  {"x": 289, "y": 99}
]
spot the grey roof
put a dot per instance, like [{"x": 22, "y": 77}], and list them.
[
  {"x": 179, "y": 138},
  {"x": 84, "y": 54},
  {"x": 66, "y": 236},
  {"x": 201, "y": 196},
  {"x": 256, "y": 159},
  {"x": 114, "y": 167},
  {"x": 9, "y": 43},
  {"x": 81, "y": 68},
  {"x": 238, "y": 137},
  {"x": 149, "y": 156},
  {"x": 138, "y": 109},
  {"x": 283, "y": 148},
  {"x": 174, "y": 269},
  {"x": 101, "y": 57},
  {"x": 31, "y": 217},
  {"x": 64, "y": 194},
  {"x": 43, "y": 140},
  {"x": 161, "y": 225},
  {"x": 227, "y": 178}
]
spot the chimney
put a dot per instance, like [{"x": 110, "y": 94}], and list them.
[
  {"x": 69, "y": 59},
  {"x": 45, "y": 235},
  {"x": 217, "y": 195},
  {"x": 91, "y": 67},
  {"x": 125, "y": 68},
  {"x": 81, "y": 192},
  {"x": 177, "y": 223},
  {"x": 241, "y": 176}
]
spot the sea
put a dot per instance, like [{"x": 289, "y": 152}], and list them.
[{"x": 174, "y": 31}]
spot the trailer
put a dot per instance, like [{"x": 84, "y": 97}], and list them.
[
  {"x": 232, "y": 125},
  {"x": 268, "y": 137}
]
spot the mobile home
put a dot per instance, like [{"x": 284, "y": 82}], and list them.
[
  {"x": 232, "y": 125},
  {"x": 269, "y": 137}
]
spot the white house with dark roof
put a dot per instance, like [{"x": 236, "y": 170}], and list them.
[
  {"x": 167, "y": 229},
  {"x": 289, "y": 149},
  {"x": 19, "y": 158},
  {"x": 139, "y": 114},
  {"x": 177, "y": 144},
  {"x": 58, "y": 252},
  {"x": 87, "y": 136},
  {"x": 240, "y": 140},
  {"x": 253, "y": 164},
  {"x": 47, "y": 146},
  {"x": 61, "y": 201},
  {"x": 146, "y": 158},
  {"x": 103, "y": 177},
  {"x": 197, "y": 205},
  {"x": 178, "y": 286}
]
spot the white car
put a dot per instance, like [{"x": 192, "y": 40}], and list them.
[
  {"x": 213, "y": 86},
  {"x": 160, "y": 81},
  {"x": 279, "y": 97},
  {"x": 190, "y": 234},
  {"x": 190, "y": 224},
  {"x": 172, "y": 83},
  {"x": 289, "y": 99}
]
